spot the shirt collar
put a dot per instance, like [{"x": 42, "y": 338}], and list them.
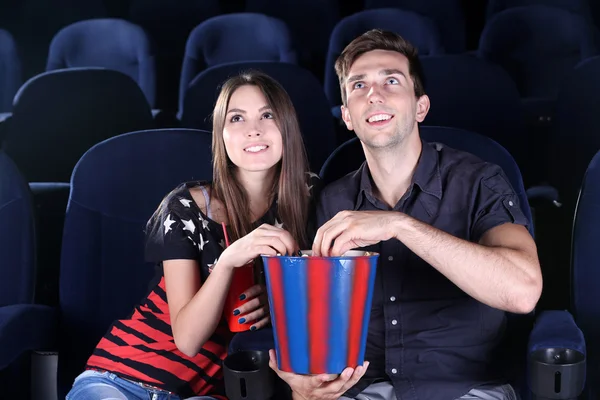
[{"x": 427, "y": 176}]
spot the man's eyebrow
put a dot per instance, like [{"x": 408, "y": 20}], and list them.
[
  {"x": 389, "y": 71},
  {"x": 392, "y": 71},
  {"x": 355, "y": 78}
]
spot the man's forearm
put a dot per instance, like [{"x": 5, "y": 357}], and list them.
[{"x": 497, "y": 276}]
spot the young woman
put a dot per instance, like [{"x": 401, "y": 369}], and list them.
[{"x": 173, "y": 344}]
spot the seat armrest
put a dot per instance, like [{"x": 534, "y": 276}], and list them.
[
  {"x": 556, "y": 359},
  {"x": 544, "y": 192},
  {"x": 25, "y": 327}
]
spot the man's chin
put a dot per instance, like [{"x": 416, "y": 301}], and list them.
[{"x": 381, "y": 141}]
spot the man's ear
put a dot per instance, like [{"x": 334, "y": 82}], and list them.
[
  {"x": 422, "y": 108},
  {"x": 346, "y": 118}
]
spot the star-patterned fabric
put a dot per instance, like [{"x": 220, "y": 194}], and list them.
[
  {"x": 188, "y": 233},
  {"x": 141, "y": 348}
]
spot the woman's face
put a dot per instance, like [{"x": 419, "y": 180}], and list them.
[{"x": 252, "y": 139}]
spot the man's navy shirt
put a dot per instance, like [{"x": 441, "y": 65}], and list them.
[{"x": 427, "y": 336}]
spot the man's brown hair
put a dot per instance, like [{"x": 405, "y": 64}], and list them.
[{"x": 377, "y": 39}]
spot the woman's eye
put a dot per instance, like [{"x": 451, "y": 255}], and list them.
[
  {"x": 268, "y": 115},
  {"x": 236, "y": 118}
]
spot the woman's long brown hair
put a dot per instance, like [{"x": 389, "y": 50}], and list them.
[{"x": 289, "y": 186}]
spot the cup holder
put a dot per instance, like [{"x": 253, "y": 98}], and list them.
[{"x": 556, "y": 373}]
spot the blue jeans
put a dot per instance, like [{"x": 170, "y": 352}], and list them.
[{"x": 94, "y": 385}]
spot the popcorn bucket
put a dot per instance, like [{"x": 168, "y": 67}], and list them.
[{"x": 320, "y": 309}]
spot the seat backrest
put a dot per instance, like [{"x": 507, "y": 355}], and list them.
[
  {"x": 234, "y": 38},
  {"x": 303, "y": 88},
  {"x": 169, "y": 23},
  {"x": 309, "y": 39},
  {"x": 109, "y": 43},
  {"x": 48, "y": 17},
  {"x": 420, "y": 31},
  {"x": 537, "y": 45},
  {"x": 17, "y": 236},
  {"x": 585, "y": 271},
  {"x": 10, "y": 70},
  {"x": 447, "y": 14},
  {"x": 115, "y": 188},
  {"x": 580, "y": 7},
  {"x": 58, "y": 115},
  {"x": 574, "y": 138},
  {"x": 451, "y": 81},
  {"x": 349, "y": 156}
]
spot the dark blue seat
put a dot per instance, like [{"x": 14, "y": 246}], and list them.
[
  {"x": 115, "y": 188},
  {"x": 448, "y": 15},
  {"x": 586, "y": 274},
  {"x": 24, "y": 326},
  {"x": 233, "y": 38},
  {"x": 538, "y": 46},
  {"x": 109, "y": 43},
  {"x": 303, "y": 88},
  {"x": 492, "y": 96},
  {"x": 40, "y": 20},
  {"x": 169, "y": 24},
  {"x": 309, "y": 38},
  {"x": 420, "y": 31},
  {"x": 566, "y": 151},
  {"x": 58, "y": 115},
  {"x": 580, "y": 7},
  {"x": 574, "y": 137},
  {"x": 10, "y": 71}
]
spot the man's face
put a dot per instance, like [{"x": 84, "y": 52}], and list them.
[{"x": 381, "y": 105}]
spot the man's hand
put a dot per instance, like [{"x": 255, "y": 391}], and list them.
[
  {"x": 319, "y": 387},
  {"x": 353, "y": 229}
]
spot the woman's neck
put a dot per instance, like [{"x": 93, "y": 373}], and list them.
[{"x": 258, "y": 186}]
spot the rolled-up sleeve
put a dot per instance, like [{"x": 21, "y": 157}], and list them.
[{"x": 496, "y": 203}]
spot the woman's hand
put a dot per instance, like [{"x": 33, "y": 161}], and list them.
[
  {"x": 256, "y": 310},
  {"x": 266, "y": 239}
]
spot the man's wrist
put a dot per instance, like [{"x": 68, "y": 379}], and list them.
[{"x": 399, "y": 225}]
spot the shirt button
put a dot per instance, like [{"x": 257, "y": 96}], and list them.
[
  {"x": 394, "y": 371},
  {"x": 510, "y": 203},
  {"x": 393, "y": 298},
  {"x": 394, "y": 322},
  {"x": 390, "y": 258}
]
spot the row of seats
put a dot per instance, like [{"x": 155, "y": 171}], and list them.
[
  {"x": 511, "y": 39},
  {"x": 46, "y": 137},
  {"x": 116, "y": 186}
]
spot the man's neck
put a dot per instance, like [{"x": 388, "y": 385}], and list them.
[{"x": 392, "y": 169}]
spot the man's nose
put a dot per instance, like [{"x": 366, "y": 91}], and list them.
[{"x": 374, "y": 95}]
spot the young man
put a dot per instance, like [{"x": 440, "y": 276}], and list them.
[{"x": 455, "y": 253}]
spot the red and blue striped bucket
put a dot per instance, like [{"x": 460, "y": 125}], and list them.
[{"x": 320, "y": 309}]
